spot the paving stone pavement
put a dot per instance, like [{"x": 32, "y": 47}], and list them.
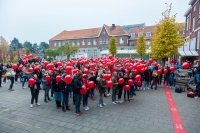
[{"x": 148, "y": 112}]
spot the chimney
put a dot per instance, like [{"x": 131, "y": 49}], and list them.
[{"x": 113, "y": 26}]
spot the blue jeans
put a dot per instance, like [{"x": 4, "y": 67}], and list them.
[
  {"x": 172, "y": 81},
  {"x": 166, "y": 79},
  {"x": 65, "y": 99},
  {"x": 198, "y": 82},
  {"x": 92, "y": 92},
  {"x": 57, "y": 95},
  {"x": 77, "y": 102},
  {"x": 131, "y": 90},
  {"x": 135, "y": 86},
  {"x": 101, "y": 98},
  {"x": 25, "y": 78},
  {"x": 0, "y": 79},
  {"x": 85, "y": 100},
  {"x": 146, "y": 84}
]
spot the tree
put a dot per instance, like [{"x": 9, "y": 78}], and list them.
[
  {"x": 166, "y": 40},
  {"x": 52, "y": 52},
  {"x": 35, "y": 48},
  {"x": 15, "y": 45},
  {"x": 113, "y": 46},
  {"x": 141, "y": 46},
  {"x": 3, "y": 48},
  {"x": 68, "y": 49},
  {"x": 28, "y": 46},
  {"x": 44, "y": 45}
]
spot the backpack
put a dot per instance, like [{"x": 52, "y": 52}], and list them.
[{"x": 178, "y": 90}]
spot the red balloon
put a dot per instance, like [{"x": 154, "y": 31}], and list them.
[
  {"x": 150, "y": 60},
  {"x": 37, "y": 68},
  {"x": 46, "y": 63},
  {"x": 31, "y": 82},
  {"x": 138, "y": 77},
  {"x": 75, "y": 71},
  {"x": 59, "y": 63},
  {"x": 121, "y": 81},
  {"x": 159, "y": 71},
  {"x": 110, "y": 56},
  {"x": 185, "y": 65},
  {"x": 130, "y": 82},
  {"x": 31, "y": 69},
  {"x": 14, "y": 66},
  {"x": 68, "y": 79},
  {"x": 58, "y": 78},
  {"x": 109, "y": 84},
  {"x": 92, "y": 66},
  {"x": 139, "y": 83},
  {"x": 20, "y": 67},
  {"x": 68, "y": 69},
  {"x": 90, "y": 84},
  {"x": 48, "y": 79},
  {"x": 127, "y": 87},
  {"x": 172, "y": 69},
  {"x": 105, "y": 76},
  {"x": 165, "y": 71},
  {"x": 142, "y": 70},
  {"x": 83, "y": 91},
  {"x": 86, "y": 71},
  {"x": 48, "y": 66}
]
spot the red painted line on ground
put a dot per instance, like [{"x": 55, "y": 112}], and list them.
[{"x": 177, "y": 122}]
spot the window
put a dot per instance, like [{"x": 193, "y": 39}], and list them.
[
  {"x": 78, "y": 42},
  {"x": 148, "y": 33},
  {"x": 83, "y": 42},
  {"x": 73, "y": 42},
  {"x": 89, "y": 42},
  {"x": 132, "y": 43},
  {"x": 103, "y": 32},
  {"x": 188, "y": 22},
  {"x": 107, "y": 41},
  {"x": 63, "y": 43},
  {"x": 198, "y": 39},
  {"x": 133, "y": 35},
  {"x": 94, "y": 42},
  {"x": 148, "y": 42},
  {"x": 121, "y": 41},
  {"x": 183, "y": 32},
  {"x": 100, "y": 41},
  {"x": 199, "y": 10},
  {"x": 55, "y": 44},
  {"x": 95, "y": 53},
  {"x": 59, "y": 44},
  {"x": 104, "y": 41},
  {"x": 89, "y": 53},
  {"x": 193, "y": 24}
]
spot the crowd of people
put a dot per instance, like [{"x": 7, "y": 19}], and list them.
[{"x": 125, "y": 75}]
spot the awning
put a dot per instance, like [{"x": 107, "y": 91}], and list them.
[
  {"x": 188, "y": 53},
  {"x": 181, "y": 52},
  {"x": 194, "y": 53}
]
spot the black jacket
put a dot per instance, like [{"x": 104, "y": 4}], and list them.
[
  {"x": 147, "y": 75},
  {"x": 93, "y": 78},
  {"x": 77, "y": 85},
  {"x": 37, "y": 83},
  {"x": 63, "y": 85},
  {"x": 56, "y": 87}
]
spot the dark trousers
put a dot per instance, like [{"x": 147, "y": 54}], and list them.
[
  {"x": 127, "y": 94},
  {"x": 65, "y": 99},
  {"x": 46, "y": 94},
  {"x": 77, "y": 104},
  {"x": 85, "y": 99},
  {"x": 155, "y": 82},
  {"x": 34, "y": 95},
  {"x": 120, "y": 93},
  {"x": 108, "y": 90},
  {"x": 0, "y": 79},
  {"x": 166, "y": 80},
  {"x": 160, "y": 80},
  {"x": 114, "y": 95},
  {"x": 16, "y": 77},
  {"x": 12, "y": 82}
]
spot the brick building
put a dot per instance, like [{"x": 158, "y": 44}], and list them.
[{"x": 191, "y": 50}]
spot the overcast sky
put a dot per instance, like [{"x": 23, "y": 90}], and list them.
[{"x": 40, "y": 20}]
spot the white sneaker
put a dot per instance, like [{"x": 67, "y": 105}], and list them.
[
  {"x": 107, "y": 95},
  {"x": 23, "y": 87},
  {"x": 31, "y": 105},
  {"x": 113, "y": 102},
  {"x": 104, "y": 104},
  {"x": 148, "y": 88},
  {"x": 100, "y": 106},
  {"x": 117, "y": 101},
  {"x": 144, "y": 89},
  {"x": 38, "y": 104},
  {"x": 198, "y": 98},
  {"x": 87, "y": 108},
  {"x": 121, "y": 101}
]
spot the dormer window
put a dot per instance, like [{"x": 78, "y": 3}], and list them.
[
  {"x": 103, "y": 32},
  {"x": 148, "y": 33},
  {"x": 133, "y": 35}
]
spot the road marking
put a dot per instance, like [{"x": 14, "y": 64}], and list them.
[{"x": 177, "y": 122}]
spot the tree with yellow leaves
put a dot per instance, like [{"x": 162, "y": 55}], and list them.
[
  {"x": 3, "y": 49},
  {"x": 141, "y": 46},
  {"x": 165, "y": 39}
]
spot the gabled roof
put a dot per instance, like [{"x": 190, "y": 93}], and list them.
[
  {"x": 142, "y": 29},
  {"x": 75, "y": 34},
  {"x": 115, "y": 31}
]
